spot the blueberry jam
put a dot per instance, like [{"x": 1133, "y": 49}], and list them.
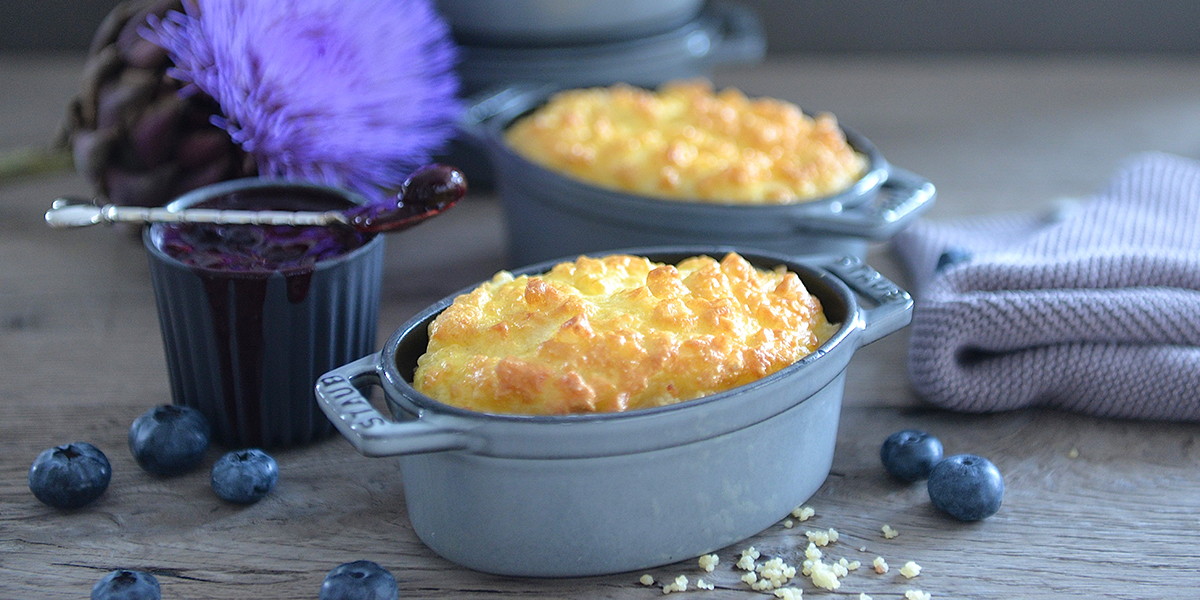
[
  {"x": 257, "y": 248},
  {"x": 238, "y": 266},
  {"x": 261, "y": 248}
]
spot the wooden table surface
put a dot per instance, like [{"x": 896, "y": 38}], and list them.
[{"x": 1093, "y": 508}]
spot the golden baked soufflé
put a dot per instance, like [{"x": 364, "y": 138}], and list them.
[
  {"x": 617, "y": 333},
  {"x": 687, "y": 142}
]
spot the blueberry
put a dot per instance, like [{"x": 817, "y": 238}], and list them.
[
  {"x": 953, "y": 256},
  {"x": 127, "y": 585},
  {"x": 359, "y": 580},
  {"x": 244, "y": 476},
  {"x": 70, "y": 476},
  {"x": 967, "y": 487},
  {"x": 169, "y": 440},
  {"x": 909, "y": 455}
]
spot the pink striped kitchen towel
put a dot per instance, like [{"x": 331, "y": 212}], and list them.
[{"x": 1094, "y": 309}]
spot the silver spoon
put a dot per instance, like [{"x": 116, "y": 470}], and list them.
[
  {"x": 65, "y": 212},
  {"x": 429, "y": 191}
]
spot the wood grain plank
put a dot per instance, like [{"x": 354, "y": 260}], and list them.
[{"x": 80, "y": 358}]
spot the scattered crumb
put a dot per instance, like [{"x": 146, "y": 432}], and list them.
[
  {"x": 773, "y": 574},
  {"x": 646, "y": 579},
  {"x": 679, "y": 585},
  {"x": 789, "y": 593},
  {"x": 803, "y": 513},
  {"x": 708, "y": 562},
  {"x": 881, "y": 565},
  {"x": 704, "y": 585},
  {"x": 824, "y": 576},
  {"x": 910, "y": 569},
  {"x": 822, "y": 538},
  {"x": 746, "y": 562},
  {"x": 1074, "y": 453}
]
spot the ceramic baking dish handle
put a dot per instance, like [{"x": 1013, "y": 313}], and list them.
[
  {"x": 741, "y": 39},
  {"x": 901, "y": 198},
  {"x": 368, "y": 430},
  {"x": 893, "y": 306},
  {"x": 487, "y": 112}
]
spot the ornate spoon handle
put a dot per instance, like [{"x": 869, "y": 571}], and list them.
[
  {"x": 429, "y": 191},
  {"x": 68, "y": 213}
]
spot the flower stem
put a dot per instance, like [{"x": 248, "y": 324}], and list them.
[{"x": 25, "y": 162}]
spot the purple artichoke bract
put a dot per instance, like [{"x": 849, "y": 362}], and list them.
[
  {"x": 131, "y": 135},
  {"x": 349, "y": 94}
]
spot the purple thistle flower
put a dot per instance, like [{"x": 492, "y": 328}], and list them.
[{"x": 350, "y": 93}]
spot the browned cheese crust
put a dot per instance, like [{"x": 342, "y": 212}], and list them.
[
  {"x": 617, "y": 333},
  {"x": 687, "y": 142}
]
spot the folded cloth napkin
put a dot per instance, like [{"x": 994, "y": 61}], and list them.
[{"x": 1094, "y": 309}]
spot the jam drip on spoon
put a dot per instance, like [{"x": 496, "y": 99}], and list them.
[{"x": 427, "y": 192}]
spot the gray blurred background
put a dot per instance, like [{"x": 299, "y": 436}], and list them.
[{"x": 1020, "y": 26}]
